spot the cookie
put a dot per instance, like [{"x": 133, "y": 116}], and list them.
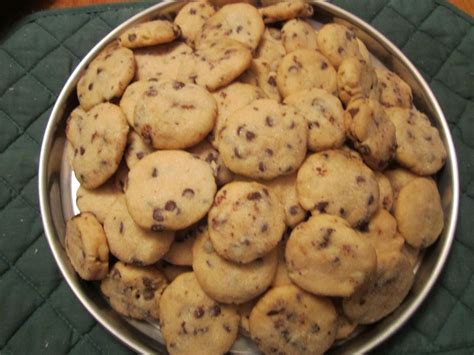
[
  {"x": 240, "y": 22},
  {"x": 192, "y": 322},
  {"x": 134, "y": 291},
  {"x": 160, "y": 195},
  {"x": 287, "y": 320},
  {"x": 382, "y": 233},
  {"x": 398, "y": 178},
  {"x": 149, "y": 33},
  {"x": 393, "y": 90},
  {"x": 419, "y": 145},
  {"x": 305, "y": 69},
  {"x": 192, "y": 17},
  {"x": 371, "y": 132},
  {"x": 345, "y": 326},
  {"x": 130, "y": 97},
  {"x": 419, "y": 212},
  {"x": 393, "y": 281},
  {"x": 271, "y": 49},
  {"x": 260, "y": 74},
  {"x": 229, "y": 282},
  {"x": 337, "y": 42},
  {"x": 284, "y": 188},
  {"x": 130, "y": 243},
  {"x": 136, "y": 150},
  {"x": 174, "y": 115},
  {"x": 229, "y": 99},
  {"x": 98, "y": 201},
  {"x": 298, "y": 34},
  {"x": 357, "y": 79},
  {"x": 325, "y": 256},
  {"x": 86, "y": 247},
  {"x": 324, "y": 115},
  {"x": 206, "y": 152},
  {"x": 285, "y": 10},
  {"x": 181, "y": 252},
  {"x": 216, "y": 63},
  {"x": 161, "y": 62},
  {"x": 364, "y": 52},
  {"x": 234, "y": 206},
  {"x": 172, "y": 271},
  {"x": 385, "y": 191},
  {"x": 106, "y": 77},
  {"x": 338, "y": 183},
  {"x": 264, "y": 140},
  {"x": 99, "y": 137}
]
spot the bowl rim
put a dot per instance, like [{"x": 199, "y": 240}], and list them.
[{"x": 56, "y": 117}]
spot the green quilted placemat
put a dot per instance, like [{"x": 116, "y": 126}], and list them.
[{"x": 39, "y": 313}]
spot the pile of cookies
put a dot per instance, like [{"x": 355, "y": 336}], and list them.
[{"x": 242, "y": 171}]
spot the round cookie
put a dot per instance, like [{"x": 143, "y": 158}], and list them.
[
  {"x": 260, "y": 74},
  {"x": 284, "y": 188},
  {"x": 134, "y": 291},
  {"x": 129, "y": 99},
  {"x": 298, "y": 34},
  {"x": 229, "y": 99},
  {"x": 393, "y": 90},
  {"x": 229, "y": 282},
  {"x": 192, "y": 322},
  {"x": 382, "y": 233},
  {"x": 393, "y": 281},
  {"x": 357, "y": 79},
  {"x": 324, "y": 115},
  {"x": 192, "y": 17},
  {"x": 286, "y": 10},
  {"x": 287, "y": 320},
  {"x": 136, "y": 150},
  {"x": 106, "y": 77},
  {"x": 216, "y": 63},
  {"x": 149, "y": 33},
  {"x": 419, "y": 145},
  {"x": 161, "y": 62},
  {"x": 174, "y": 115},
  {"x": 240, "y": 22},
  {"x": 181, "y": 252},
  {"x": 172, "y": 271},
  {"x": 337, "y": 182},
  {"x": 130, "y": 243},
  {"x": 419, "y": 213},
  {"x": 264, "y": 140},
  {"x": 206, "y": 152},
  {"x": 98, "y": 137},
  {"x": 337, "y": 42},
  {"x": 245, "y": 221},
  {"x": 371, "y": 131},
  {"x": 326, "y": 257},
  {"x": 385, "y": 191},
  {"x": 86, "y": 247},
  {"x": 98, "y": 201},
  {"x": 398, "y": 178},
  {"x": 160, "y": 195},
  {"x": 271, "y": 49},
  {"x": 305, "y": 69}
]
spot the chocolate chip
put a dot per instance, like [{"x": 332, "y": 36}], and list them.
[
  {"x": 140, "y": 155},
  {"x": 353, "y": 111},
  {"x": 269, "y": 151},
  {"x": 315, "y": 328},
  {"x": 157, "y": 215},
  {"x": 264, "y": 228},
  {"x": 272, "y": 81},
  {"x": 154, "y": 173},
  {"x": 324, "y": 65},
  {"x": 364, "y": 149},
  {"x": 237, "y": 153},
  {"x": 262, "y": 167},
  {"x": 360, "y": 179},
  {"x": 313, "y": 124},
  {"x": 198, "y": 312},
  {"x": 170, "y": 205},
  {"x": 326, "y": 238},
  {"x": 370, "y": 200},
  {"x": 226, "y": 327},
  {"x": 178, "y": 85},
  {"x": 151, "y": 91},
  {"x": 275, "y": 311},
  {"x": 82, "y": 150},
  {"x": 293, "y": 210},
  {"x": 132, "y": 37},
  {"x": 254, "y": 196},
  {"x": 269, "y": 121},
  {"x": 192, "y": 11},
  {"x": 188, "y": 193},
  {"x": 321, "y": 206},
  {"x": 157, "y": 228},
  {"x": 238, "y": 29},
  {"x": 148, "y": 294},
  {"x": 91, "y": 86},
  {"x": 342, "y": 211},
  {"x": 121, "y": 228},
  {"x": 250, "y": 136},
  {"x": 183, "y": 327},
  {"x": 215, "y": 310},
  {"x": 340, "y": 50}
]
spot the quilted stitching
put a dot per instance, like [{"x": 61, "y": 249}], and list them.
[{"x": 38, "y": 57}]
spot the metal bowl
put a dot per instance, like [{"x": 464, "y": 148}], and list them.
[{"x": 56, "y": 193}]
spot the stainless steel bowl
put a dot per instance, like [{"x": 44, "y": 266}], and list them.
[{"x": 56, "y": 196}]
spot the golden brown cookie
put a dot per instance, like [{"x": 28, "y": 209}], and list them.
[{"x": 149, "y": 33}]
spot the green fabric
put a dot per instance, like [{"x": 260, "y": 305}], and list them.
[{"x": 38, "y": 312}]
